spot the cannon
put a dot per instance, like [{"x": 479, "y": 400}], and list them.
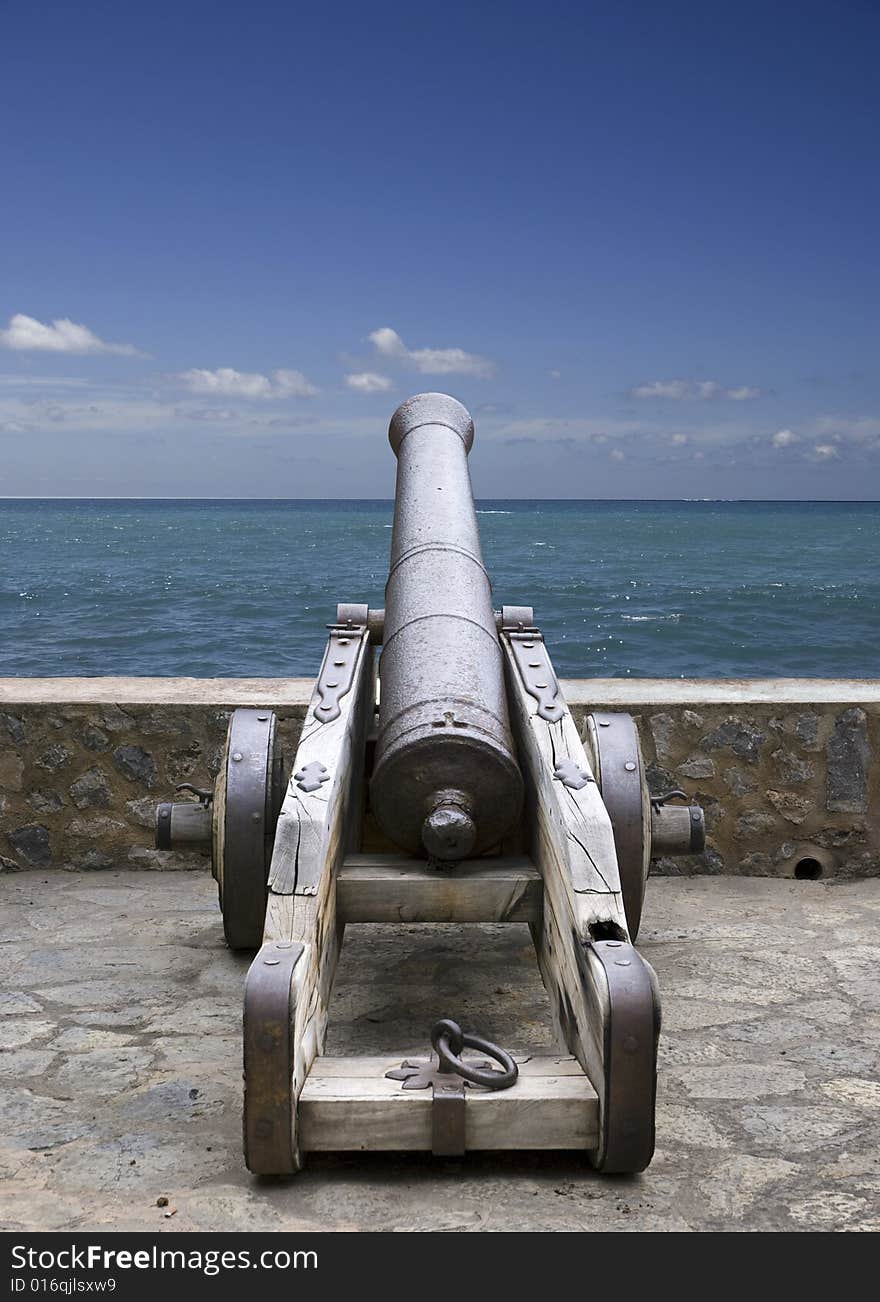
[
  {"x": 446, "y": 778},
  {"x": 448, "y": 783}
]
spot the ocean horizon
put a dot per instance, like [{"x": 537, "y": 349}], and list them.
[
  {"x": 621, "y": 587},
  {"x": 770, "y": 501}
]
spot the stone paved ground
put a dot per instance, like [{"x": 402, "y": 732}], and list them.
[{"x": 120, "y": 1065}]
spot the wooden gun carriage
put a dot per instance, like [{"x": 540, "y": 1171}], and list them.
[{"x": 493, "y": 808}]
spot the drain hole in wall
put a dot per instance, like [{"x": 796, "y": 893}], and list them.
[{"x": 808, "y": 870}]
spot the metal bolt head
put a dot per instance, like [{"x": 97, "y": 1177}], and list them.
[
  {"x": 255, "y": 816},
  {"x": 237, "y": 755},
  {"x": 271, "y": 962},
  {"x": 630, "y": 766}
]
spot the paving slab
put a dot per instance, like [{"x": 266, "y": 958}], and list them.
[{"x": 120, "y": 1065}]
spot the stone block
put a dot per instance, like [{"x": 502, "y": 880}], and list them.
[
  {"x": 791, "y": 769},
  {"x": 848, "y": 758},
  {"x": 91, "y": 790},
  {"x": 737, "y": 735},
  {"x": 136, "y": 764},
  {"x": 793, "y": 808},
  {"x": 54, "y": 758},
  {"x": 663, "y": 732},
  {"x": 32, "y": 844}
]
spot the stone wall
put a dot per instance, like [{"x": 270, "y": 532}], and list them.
[
  {"x": 784, "y": 790},
  {"x": 785, "y": 769},
  {"x": 84, "y": 762}
]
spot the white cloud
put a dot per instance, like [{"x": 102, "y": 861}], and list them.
[
  {"x": 555, "y": 375},
  {"x": 228, "y": 383},
  {"x": 662, "y": 389},
  {"x": 211, "y": 415},
  {"x": 368, "y": 382},
  {"x": 679, "y": 440},
  {"x": 702, "y": 390},
  {"x": 860, "y": 429},
  {"x": 826, "y": 451},
  {"x": 784, "y": 438},
  {"x": 293, "y": 384},
  {"x": 431, "y": 361},
  {"x": 388, "y": 342},
  {"x": 616, "y": 455},
  {"x": 42, "y": 382},
  {"x": 26, "y": 334},
  {"x": 116, "y": 410},
  {"x": 553, "y": 429}
]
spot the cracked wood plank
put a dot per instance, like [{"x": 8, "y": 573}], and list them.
[
  {"x": 394, "y": 888},
  {"x": 572, "y": 845},
  {"x": 348, "y": 1103},
  {"x": 314, "y": 830},
  {"x": 311, "y": 822},
  {"x": 571, "y": 826}
]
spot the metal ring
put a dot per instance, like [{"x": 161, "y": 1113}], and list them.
[
  {"x": 452, "y": 1034},
  {"x": 449, "y": 1060}
]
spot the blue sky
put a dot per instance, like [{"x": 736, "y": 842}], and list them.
[{"x": 639, "y": 241}]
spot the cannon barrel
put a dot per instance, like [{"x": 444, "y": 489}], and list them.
[{"x": 446, "y": 778}]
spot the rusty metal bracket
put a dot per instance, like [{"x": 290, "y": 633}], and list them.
[
  {"x": 448, "y": 1076},
  {"x": 660, "y": 800},
  {"x": 447, "y": 1101},
  {"x": 268, "y": 1059},
  {"x": 204, "y": 795},
  {"x": 337, "y": 670},
  {"x": 538, "y": 675},
  {"x": 570, "y": 774},
  {"x": 632, "y": 1030},
  {"x": 515, "y": 618},
  {"x": 163, "y": 825},
  {"x": 311, "y": 776}
]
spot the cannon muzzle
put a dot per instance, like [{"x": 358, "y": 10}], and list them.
[{"x": 446, "y": 780}]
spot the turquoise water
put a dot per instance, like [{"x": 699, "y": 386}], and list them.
[{"x": 706, "y": 589}]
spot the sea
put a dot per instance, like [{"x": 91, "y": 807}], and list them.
[{"x": 621, "y": 589}]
